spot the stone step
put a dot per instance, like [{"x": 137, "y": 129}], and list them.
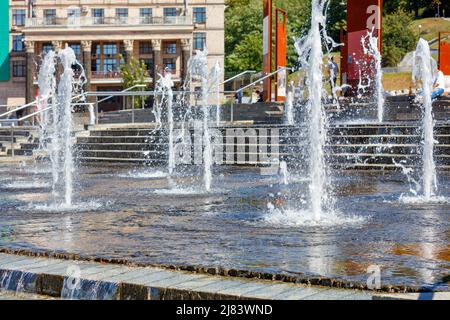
[
  {"x": 20, "y": 152},
  {"x": 16, "y": 133},
  {"x": 337, "y": 140},
  {"x": 29, "y": 146},
  {"x": 50, "y": 277},
  {"x": 356, "y": 149}
]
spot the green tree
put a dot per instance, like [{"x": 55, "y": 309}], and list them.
[
  {"x": 134, "y": 73},
  {"x": 247, "y": 55},
  {"x": 243, "y": 22},
  {"x": 398, "y": 38}
]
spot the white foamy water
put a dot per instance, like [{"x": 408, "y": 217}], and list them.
[
  {"x": 63, "y": 207},
  {"x": 36, "y": 170},
  {"x": 307, "y": 218},
  {"x": 179, "y": 191},
  {"x": 27, "y": 185},
  {"x": 420, "y": 200},
  {"x": 143, "y": 174}
]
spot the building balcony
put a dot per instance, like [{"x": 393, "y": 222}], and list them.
[
  {"x": 99, "y": 22},
  {"x": 106, "y": 75}
]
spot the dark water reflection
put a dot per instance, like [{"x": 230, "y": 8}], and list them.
[{"x": 125, "y": 216}]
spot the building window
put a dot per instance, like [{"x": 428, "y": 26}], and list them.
[
  {"x": 109, "y": 48},
  {"x": 97, "y": 49},
  {"x": 18, "y": 43},
  {"x": 170, "y": 47},
  {"x": 47, "y": 47},
  {"x": 98, "y": 16},
  {"x": 148, "y": 66},
  {"x": 109, "y": 65},
  {"x": 145, "y": 15},
  {"x": 73, "y": 16},
  {"x": 145, "y": 47},
  {"x": 199, "y": 40},
  {"x": 169, "y": 64},
  {"x": 200, "y": 15},
  {"x": 96, "y": 65},
  {"x": 19, "y": 68},
  {"x": 170, "y": 12},
  {"x": 18, "y": 17},
  {"x": 50, "y": 16},
  {"x": 76, "y": 47},
  {"x": 122, "y": 15}
]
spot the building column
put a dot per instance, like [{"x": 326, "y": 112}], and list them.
[
  {"x": 186, "y": 52},
  {"x": 30, "y": 90},
  {"x": 57, "y": 45},
  {"x": 87, "y": 48},
  {"x": 157, "y": 61},
  {"x": 129, "y": 45}
]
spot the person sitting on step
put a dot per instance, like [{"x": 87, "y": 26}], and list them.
[{"x": 438, "y": 84}]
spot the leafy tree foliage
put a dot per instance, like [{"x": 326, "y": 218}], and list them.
[
  {"x": 398, "y": 39},
  {"x": 134, "y": 73}
]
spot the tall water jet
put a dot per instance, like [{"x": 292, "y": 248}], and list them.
[
  {"x": 290, "y": 105},
  {"x": 58, "y": 125},
  {"x": 423, "y": 72},
  {"x": 47, "y": 94},
  {"x": 214, "y": 79},
  {"x": 370, "y": 47},
  {"x": 164, "y": 89},
  {"x": 309, "y": 49},
  {"x": 198, "y": 69},
  {"x": 65, "y": 88}
]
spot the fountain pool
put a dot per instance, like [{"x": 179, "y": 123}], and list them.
[{"x": 232, "y": 227}]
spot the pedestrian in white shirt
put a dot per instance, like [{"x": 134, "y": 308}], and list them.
[{"x": 438, "y": 84}]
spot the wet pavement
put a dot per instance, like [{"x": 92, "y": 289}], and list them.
[{"x": 248, "y": 221}]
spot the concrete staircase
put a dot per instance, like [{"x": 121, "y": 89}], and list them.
[
  {"x": 385, "y": 146},
  {"x": 24, "y": 142},
  {"x": 257, "y": 112},
  {"x": 349, "y": 147}
]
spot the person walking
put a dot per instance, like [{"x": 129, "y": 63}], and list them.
[{"x": 333, "y": 69}]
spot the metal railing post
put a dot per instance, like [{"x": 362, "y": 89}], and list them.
[
  {"x": 232, "y": 111},
  {"x": 132, "y": 109},
  {"x": 96, "y": 110},
  {"x": 12, "y": 139}
]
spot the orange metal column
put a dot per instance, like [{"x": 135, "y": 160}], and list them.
[
  {"x": 267, "y": 49},
  {"x": 444, "y": 52}
]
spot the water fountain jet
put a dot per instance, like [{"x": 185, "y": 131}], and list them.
[
  {"x": 423, "y": 72},
  {"x": 310, "y": 54}
]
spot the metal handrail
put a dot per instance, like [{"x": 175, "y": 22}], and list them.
[
  {"x": 139, "y": 93},
  {"x": 125, "y": 90},
  {"x": 23, "y": 107},
  {"x": 48, "y": 108},
  {"x": 238, "y": 76},
  {"x": 263, "y": 78}
]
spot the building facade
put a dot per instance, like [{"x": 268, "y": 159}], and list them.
[{"x": 104, "y": 34}]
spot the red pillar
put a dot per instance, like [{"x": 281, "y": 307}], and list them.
[
  {"x": 267, "y": 49},
  {"x": 280, "y": 58},
  {"x": 444, "y": 52},
  {"x": 362, "y": 16}
]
